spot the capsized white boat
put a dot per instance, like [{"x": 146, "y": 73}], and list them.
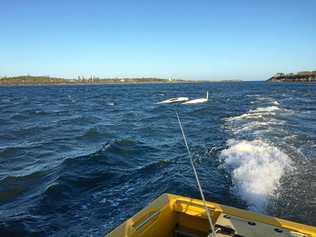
[
  {"x": 174, "y": 100},
  {"x": 197, "y": 101}
]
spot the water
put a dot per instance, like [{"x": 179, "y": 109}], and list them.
[{"x": 78, "y": 160}]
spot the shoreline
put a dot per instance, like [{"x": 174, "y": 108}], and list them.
[
  {"x": 306, "y": 77},
  {"x": 99, "y": 84},
  {"x": 127, "y": 83},
  {"x": 51, "y": 81}
]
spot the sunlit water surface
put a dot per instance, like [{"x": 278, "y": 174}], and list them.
[{"x": 78, "y": 160}]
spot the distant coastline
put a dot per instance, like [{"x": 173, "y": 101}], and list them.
[
  {"x": 46, "y": 80},
  {"x": 300, "y": 77}
]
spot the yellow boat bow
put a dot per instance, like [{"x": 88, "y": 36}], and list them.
[{"x": 177, "y": 216}]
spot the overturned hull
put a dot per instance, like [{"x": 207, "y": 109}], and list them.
[{"x": 174, "y": 100}]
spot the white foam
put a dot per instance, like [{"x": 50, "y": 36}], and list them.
[
  {"x": 256, "y": 113},
  {"x": 265, "y": 109},
  {"x": 253, "y": 126},
  {"x": 256, "y": 169}
]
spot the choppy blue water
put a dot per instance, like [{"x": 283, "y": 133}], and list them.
[{"x": 78, "y": 160}]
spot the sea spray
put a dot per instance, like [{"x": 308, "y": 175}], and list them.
[{"x": 256, "y": 169}]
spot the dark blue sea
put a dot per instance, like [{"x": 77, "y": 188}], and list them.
[{"x": 79, "y": 160}]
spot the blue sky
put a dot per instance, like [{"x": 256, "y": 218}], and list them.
[{"x": 215, "y": 40}]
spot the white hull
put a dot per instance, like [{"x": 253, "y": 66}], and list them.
[
  {"x": 197, "y": 101},
  {"x": 174, "y": 100}
]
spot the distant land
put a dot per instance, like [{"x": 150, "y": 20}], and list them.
[
  {"x": 46, "y": 80},
  {"x": 304, "y": 77}
]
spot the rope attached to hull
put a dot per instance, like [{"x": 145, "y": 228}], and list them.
[{"x": 213, "y": 234}]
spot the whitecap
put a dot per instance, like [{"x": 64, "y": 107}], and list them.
[
  {"x": 275, "y": 102},
  {"x": 265, "y": 109},
  {"x": 256, "y": 113}
]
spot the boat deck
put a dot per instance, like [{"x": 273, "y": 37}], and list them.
[
  {"x": 227, "y": 225},
  {"x": 177, "y": 216}
]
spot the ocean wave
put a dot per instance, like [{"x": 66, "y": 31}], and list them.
[
  {"x": 265, "y": 109},
  {"x": 156, "y": 165},
  {"x": 257, "y": 126},
  {"x": 80, "y": 178},
  {"x": 25, "y": 114},
  {"x": 256, "y": 113},
  {"x": 18, "y": 116},
  {"x": 13, "y": 150},
  {"x": 259, "y": 122},
  {"x": 256, "y": 168},
  {"x": 126, "y": 153},
  {"x": 14, "y": 186},
  {"x": 93, "y": 134},
  {"x": 80, "y": 120},
  {"x": 5, "y": 100}
]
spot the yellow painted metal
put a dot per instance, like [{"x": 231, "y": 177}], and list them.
[{"x": 161, "y": 217}]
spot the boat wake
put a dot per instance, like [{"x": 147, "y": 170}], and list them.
[
  {"x": 256, "y": 169},
  {"x": 256, "y": 113},
  {"x": 256, "y": 164}
]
